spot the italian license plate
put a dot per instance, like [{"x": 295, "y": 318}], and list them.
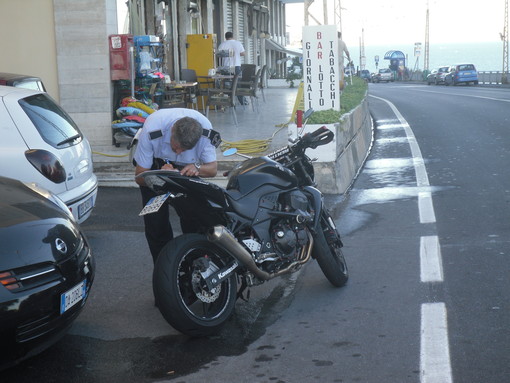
[
  {"x": 73, "y": 296},
  {"x": 85, "y": 207},
  {"x": 154, "y": 204}
]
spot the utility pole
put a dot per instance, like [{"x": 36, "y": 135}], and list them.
[
  {"x": 338, "y": 14},
  {"x": 325, "y": 9},
  {"x": 504, "y": 38},
  {"x": 426, "y": 55},
  {"x": 362, "y": 58}
]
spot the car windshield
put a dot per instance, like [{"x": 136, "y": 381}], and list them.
[
  {"x": 53, "y": 123},
  {"x": 467, "y": 67}
]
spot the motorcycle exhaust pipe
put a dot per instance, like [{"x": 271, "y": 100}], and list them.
[{"x": 225, "y": 239}]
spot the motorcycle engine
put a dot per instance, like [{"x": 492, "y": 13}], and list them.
[
  {"x": 289, "y": 235},
  {"x": 288, "y": 238}
]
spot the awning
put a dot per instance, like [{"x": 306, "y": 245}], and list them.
[{"x": 271, "y": 44}]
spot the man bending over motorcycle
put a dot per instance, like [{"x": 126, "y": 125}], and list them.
[{"x": 172, "y": 139}]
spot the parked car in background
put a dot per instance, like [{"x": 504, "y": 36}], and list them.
[
  {"x": 22, "y": 81},
  {"x": 40, "y": 143},
  {"x": 461, "y": 73},
  {"x": 46, "y": 270},
  {"x": 437, "y": 76},
  {"x": 365, "y": 75},
  {"x": 384, "y": 74}
]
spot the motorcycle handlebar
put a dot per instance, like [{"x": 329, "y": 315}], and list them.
[{"x": 319, "y": 137}]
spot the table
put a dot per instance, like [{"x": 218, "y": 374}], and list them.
[
  {"x": 219, "y": 79},
  {"x": 180, "y": 94}
]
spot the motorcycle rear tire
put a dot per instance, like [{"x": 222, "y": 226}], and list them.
[
  {"x": 182, "y": 300},
  {"x": 327, "y": 249}
]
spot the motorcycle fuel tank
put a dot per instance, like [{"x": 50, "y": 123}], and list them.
[{"x": 259, "y": 171}]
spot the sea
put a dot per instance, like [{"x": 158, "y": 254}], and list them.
[{"x": 486, "y": 56}]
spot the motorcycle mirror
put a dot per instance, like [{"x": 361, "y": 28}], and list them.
[
  {"x": 230, "y": 152},
  {"x": 308, "y": 113}
]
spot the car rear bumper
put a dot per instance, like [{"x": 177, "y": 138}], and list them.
[{"x": 81, "y": 200}]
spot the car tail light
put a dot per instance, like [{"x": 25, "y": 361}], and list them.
[
  {"x": 9, "y": 280},
  {"x": 29, "y": 277},
  {"x": 47, "y": 164}
]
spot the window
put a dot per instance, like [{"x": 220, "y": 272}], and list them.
[{"x": 51, "y": 121}]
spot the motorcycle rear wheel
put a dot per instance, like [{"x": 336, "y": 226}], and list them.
[
  {"x": 179, "y": 288},
  {"x": 327, "y": 249}
]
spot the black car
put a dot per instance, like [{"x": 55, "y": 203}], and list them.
[{"x": 46, "y": 270}]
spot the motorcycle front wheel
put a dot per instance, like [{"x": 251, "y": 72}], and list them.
[
  {"x": 180, "y": 290},
  {"x": 327, "y": 249}
]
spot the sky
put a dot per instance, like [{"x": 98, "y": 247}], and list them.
[{"x": 403, "y": 22}]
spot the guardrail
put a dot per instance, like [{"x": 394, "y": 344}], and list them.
[{"x": 492, "y": 77}]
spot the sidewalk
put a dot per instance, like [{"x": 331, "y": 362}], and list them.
[{"x": 113, "y": 167}]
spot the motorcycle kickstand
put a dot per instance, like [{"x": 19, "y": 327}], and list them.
[{"x": 240, "y": 294}]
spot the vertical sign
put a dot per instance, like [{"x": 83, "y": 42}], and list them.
[
  {"x": 417, "y": 49},
  {"x": 321, "y": 67}
]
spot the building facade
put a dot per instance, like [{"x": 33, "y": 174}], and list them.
[{"x": 65, "y": 42}]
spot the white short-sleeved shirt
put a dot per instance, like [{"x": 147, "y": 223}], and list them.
[
  {"x": 159, "y": 145},
  {"x": 237, "y": 47}
]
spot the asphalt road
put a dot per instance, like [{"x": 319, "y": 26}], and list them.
[{"x": 426, "y": 235}]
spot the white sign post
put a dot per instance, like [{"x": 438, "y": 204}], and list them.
[{"x": 321, "y": 67}]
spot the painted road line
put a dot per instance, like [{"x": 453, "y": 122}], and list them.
[
  {"x": 431, "y": 264},
  {"x": 426, "y": 207},
  {"x": 435, "y": 364}
]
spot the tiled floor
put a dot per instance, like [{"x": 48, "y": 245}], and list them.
[{"x": 261, "y": 123}]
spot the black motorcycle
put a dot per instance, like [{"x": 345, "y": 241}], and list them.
[{"x": 269, "y": 221}]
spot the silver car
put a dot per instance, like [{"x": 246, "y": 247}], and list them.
[
  {"x": 40, "y": 143},
  {"x": 384, "y": 74}
]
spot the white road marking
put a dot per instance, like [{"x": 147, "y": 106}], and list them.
[
  {"x": 422, "y": 179},
  {"x": 426, "y": 208},
  {"x": 431, "y": 265},
  {"x": 464, "y": 95},
  {"x": 435, "y": 364}
]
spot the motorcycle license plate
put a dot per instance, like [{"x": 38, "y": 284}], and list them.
[{"x": 154, "y": 204}]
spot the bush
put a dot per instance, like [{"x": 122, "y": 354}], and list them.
[{"x": 350, "y": 98}]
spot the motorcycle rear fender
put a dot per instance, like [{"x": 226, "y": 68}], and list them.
[{"x": 174, "y": 182}]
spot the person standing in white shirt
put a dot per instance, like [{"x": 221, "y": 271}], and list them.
[
  {"x": 234, "y": 59},
  {"x": 237, "y": 51}
]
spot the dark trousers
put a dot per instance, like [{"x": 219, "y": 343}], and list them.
[
  {"x": 238, "y": 71},
  {"x": 158, "y": 229}
]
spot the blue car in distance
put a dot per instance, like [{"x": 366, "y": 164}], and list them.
[{"x": 461, "y": 73}]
